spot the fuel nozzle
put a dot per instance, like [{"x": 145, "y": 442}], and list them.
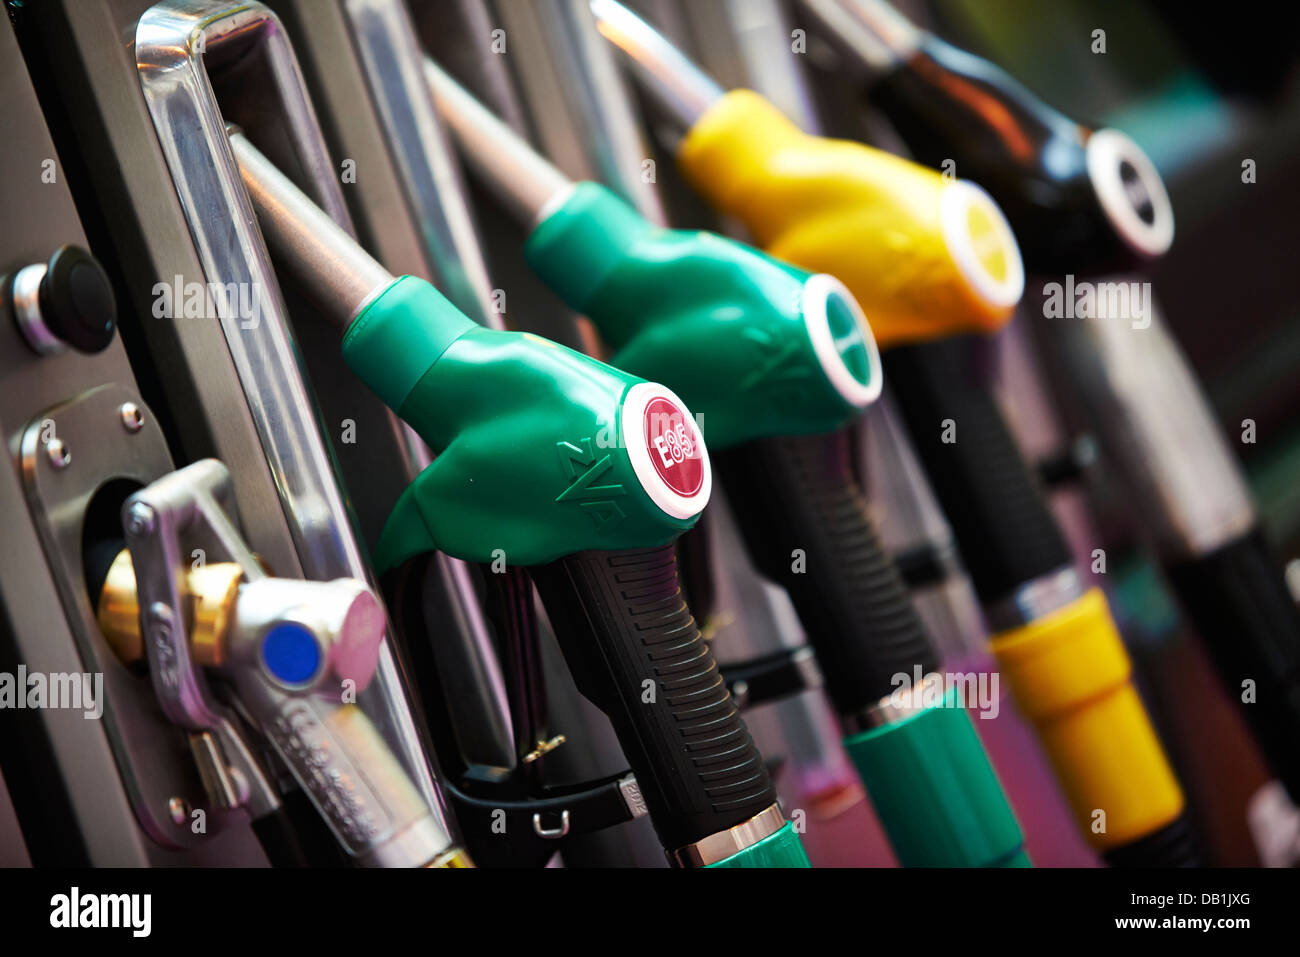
[
  {"x": 926, "y": 254},
  {"x": 577, "y": 471},
  {"x": 756, "y": 347},
  {"x": 292, "y": 655},
  {"x": 1080, "y": 199},
  {"x": 425, "y": 359}
]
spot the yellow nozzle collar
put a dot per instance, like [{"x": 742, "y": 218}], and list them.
[
  {"x": 926, "y": 256},
  {"x": 1071, "y": 678}
]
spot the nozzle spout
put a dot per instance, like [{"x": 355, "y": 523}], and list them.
[
  {"x": 519, "y": 176},
  {"x": 871, "y": 32},
  {"x": 342, "y": 275},
  {"x": 680, "y": 87}
]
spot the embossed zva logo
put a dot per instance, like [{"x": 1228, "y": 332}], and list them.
[
  {"x": 780, "y": 366},
  {"x": 585, "y": 468}
]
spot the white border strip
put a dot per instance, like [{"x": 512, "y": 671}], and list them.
[
  {"x": 955, "y": 200},
  {"x": 817, "y": 293},
  {"x": 638, "y": 452},
  {"x": 1106, "y": 149}
]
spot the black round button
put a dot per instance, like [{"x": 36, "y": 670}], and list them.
[{"x": 77, "y": 301}]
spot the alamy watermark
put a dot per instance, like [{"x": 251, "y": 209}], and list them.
[
  {"x": 244, "y": 301},
  {"x": 1130, "y": 301},
  {"x": 668, "y": 431},
  {"x": 74, "y": 909},
  {"x": 977, "y": 691},
  {"x": 57, "y": 690}
]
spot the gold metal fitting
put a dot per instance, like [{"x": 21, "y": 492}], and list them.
[
  {"x": 543, "y": 747},
  {"x": 210, "y": 595}
]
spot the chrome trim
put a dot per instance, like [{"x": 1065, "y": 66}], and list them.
[
  {"x": 892, "y": 708},
  {"x": 633, "y": 797},
  {"x": 26, "y": 296},
  {"x": 171, "y": 40},
  {"x": 724, "y": 844},
  {"x": 1035, "y": 599},
  {"x": 384, "y": 37},
  {"x": 668, "y": 75},
  {"x": 528, "y": 183},
  {"x": 873, "y": 33},
  {"x": 552, "y": 833}
]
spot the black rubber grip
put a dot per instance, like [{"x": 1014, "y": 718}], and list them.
[
  {"x": 805, "y": 524},
  {"x": 1239, "y": 603},
  {"x": 923, "y": 565},
  {"x": 1005, "y": 532},
  {"x": 695, "y": 568},
  {"x": 1173, "y": 845},
  {"x": 636, "y": 653}
]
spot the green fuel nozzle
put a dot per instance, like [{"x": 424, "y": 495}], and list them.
[
  {"x": 541, "y": 451},
  {"x": 756, "y": 347},
  {"x": 583, "y": 474}
]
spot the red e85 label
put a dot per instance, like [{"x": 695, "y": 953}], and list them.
[{"x": 674, "y": 447}]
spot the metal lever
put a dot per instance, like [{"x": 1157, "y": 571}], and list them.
[
  {"x": 153, "y": 520},
  {"x": 295, "y": 653}
]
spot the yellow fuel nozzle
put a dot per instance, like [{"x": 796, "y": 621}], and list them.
[{"x": 926, "y": 255}]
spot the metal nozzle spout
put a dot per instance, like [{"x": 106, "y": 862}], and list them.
[
  {"x": 343, "y": 276},
  {"x": 520, "y": 176},
  {"x": 668, "y": 75},
  {"x": 871, "y": 32}
]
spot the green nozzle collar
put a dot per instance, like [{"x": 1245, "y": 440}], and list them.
[
  {"x": 391, "y": 342},
  {"x": 782, "y": 849},
  {"x": 582, "y": 241},
  {"x": 936, "y": 794}
]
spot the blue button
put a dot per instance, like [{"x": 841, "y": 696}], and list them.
[{"x": 290, "y": 653}]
